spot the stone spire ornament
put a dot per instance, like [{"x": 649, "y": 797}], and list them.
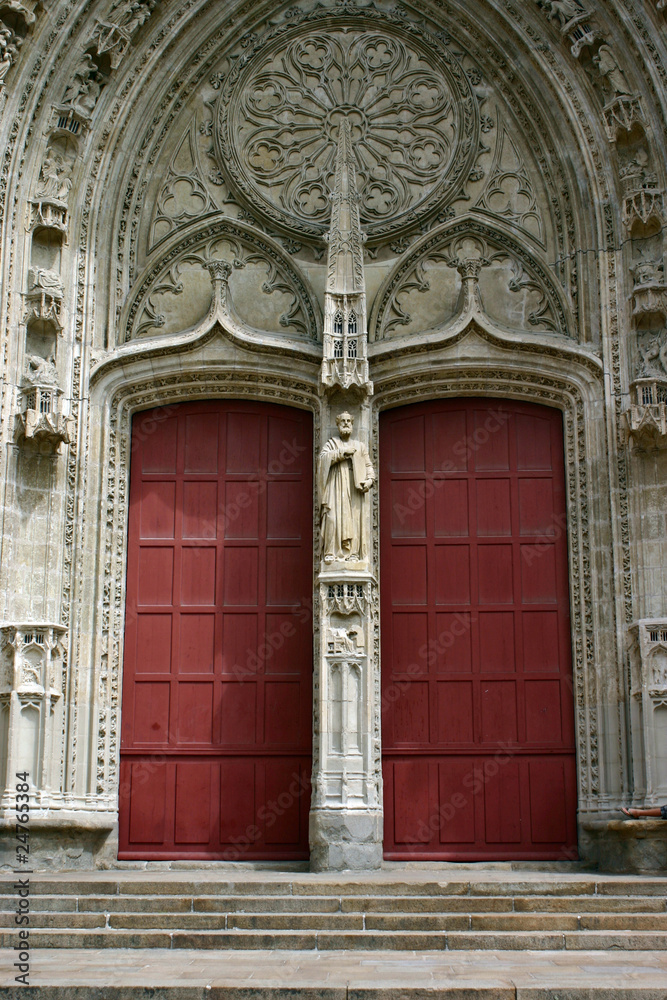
[{"x": 345, "y": 362}]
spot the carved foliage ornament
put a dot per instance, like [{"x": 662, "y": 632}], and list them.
[{"x": 413, "y": 115}]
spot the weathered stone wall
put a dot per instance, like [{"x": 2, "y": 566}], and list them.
[{"x": 511, "y": 170}]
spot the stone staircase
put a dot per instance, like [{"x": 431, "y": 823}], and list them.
[{"x": 505, "y": 911}]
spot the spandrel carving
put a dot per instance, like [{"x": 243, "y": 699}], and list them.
[
  {"x": 511, "y": 286},
  {"x": 268, "y": 293}
]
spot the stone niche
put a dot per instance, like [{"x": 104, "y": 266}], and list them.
[
  {"x": 640, "y": 846},
  {"x": 31, "y": 708}
]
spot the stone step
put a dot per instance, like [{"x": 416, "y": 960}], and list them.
[
  {"x": 346, "y": 940},
  {"x": 468, "y": 904},
  {"x": 178, "y": 974},
  {"x": 567, "y": 886},
  {"x": 49, "y": 919},
  {"x": 297, "y": 922},
  {"x": 138, "y": 903}
]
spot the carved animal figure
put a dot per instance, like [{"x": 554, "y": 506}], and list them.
[{"x": 563, "y": 10}]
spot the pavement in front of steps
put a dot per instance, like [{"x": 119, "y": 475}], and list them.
[{"x": 340, "y": 975}]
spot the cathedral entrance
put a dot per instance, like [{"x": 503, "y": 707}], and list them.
[
  {"x": 478, "y": 735},
  {"x": 217, "y": 685}
]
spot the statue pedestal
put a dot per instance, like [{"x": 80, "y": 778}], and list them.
[
  {"x": 346, "y": 812},
  {"x": 345, "y": 840}
]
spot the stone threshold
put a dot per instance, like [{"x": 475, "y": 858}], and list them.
[
  {"x": 338, "y": 975},
  {"x": 387, "y": 866}
]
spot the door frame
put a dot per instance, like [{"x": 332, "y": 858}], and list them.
[
  {"x": 569, "y": 378},
  {"x": 121, "y": 394},
  {"x": 572, "y": 389}
]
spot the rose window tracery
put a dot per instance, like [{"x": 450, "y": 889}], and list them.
[{"x": 412, "y": 125}]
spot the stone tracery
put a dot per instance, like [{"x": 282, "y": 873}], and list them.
[{"x": 412, "y": 122}]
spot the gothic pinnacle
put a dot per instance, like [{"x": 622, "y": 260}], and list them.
[{"x": 346, "y": 256}]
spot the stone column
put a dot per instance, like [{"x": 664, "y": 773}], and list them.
[{"x": 346, "y": 814}]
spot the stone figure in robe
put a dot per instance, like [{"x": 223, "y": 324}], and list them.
[{"x": 345, "y": 475}]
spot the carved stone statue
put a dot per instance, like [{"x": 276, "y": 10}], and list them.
[
  {"x": 137, "y": 14},
  {"x": 40, "y": 371},
  {"x": 653, "y": 352},
  {"x": 345, "y": 475},
  {"x": 608, "y": 67},
  {"x": 55, "y": 178},
  {"x": 9, "y": 50},
  {"x": 46, "y": 280},
  {"x": 562, "y": 10},
  {"x": 82, "y": 93}
]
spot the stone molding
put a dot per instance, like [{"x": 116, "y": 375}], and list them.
[{"x": 121, "y": 392}]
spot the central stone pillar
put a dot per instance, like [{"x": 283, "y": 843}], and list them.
[{"x": 346, "y": 811}]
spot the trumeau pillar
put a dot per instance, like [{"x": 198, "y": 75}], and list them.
[{"x": 346, "y": 811}]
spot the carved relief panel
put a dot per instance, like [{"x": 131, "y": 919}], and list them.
[{"x": 267, "y": 291}]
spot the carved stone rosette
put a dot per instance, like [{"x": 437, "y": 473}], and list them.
[{"x": 31, "y": 706}]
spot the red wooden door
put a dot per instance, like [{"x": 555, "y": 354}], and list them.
[
  {"x": 217, "y": 686},
  {"x": 478, "y": 736}
]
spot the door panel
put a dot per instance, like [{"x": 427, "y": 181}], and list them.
[
  {"x": 217, "y": 685},
  {"x": 478, "y": 732}
]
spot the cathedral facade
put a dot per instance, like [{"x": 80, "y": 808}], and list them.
[{"x": 334, "y": 420}]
